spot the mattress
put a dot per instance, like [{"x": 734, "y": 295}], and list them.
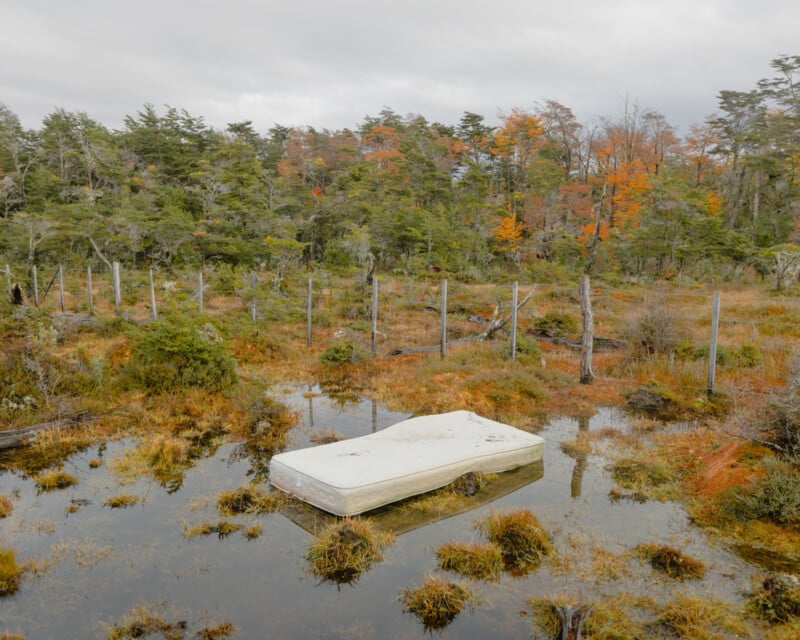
[{"x": 411, "y": 457}]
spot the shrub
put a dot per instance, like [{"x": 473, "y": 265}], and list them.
[
  {"x": 778, "y": 601},
  {"x": 658, "y": 328},
  {"x": 343, "y": 352},
  {"x": 556, "y": 322},
  {"x": 774, "y": 496},
  {"x": 173, "y": 354}
]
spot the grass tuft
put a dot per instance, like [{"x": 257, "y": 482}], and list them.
[
  {"x": 122, "y": 501},
  {"x": 249, "y": 499},
  {"x": 141, "y": 622},
  {"x": 437, "y": 602},
  {"x": 5, "y": 507},
  {"x": 222, "y": 630},
  {"x": 52, "y": 480},
  {"x": 672, "y": 562},
  {"x": 522, "y": 540},
  {"x": 345, "y": 549},
  {"x": 778, "y": 600},
  {"x": 10, "y": 572},
  {"x": 480, "y": 561}
]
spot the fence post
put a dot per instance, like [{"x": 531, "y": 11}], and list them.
[
  {"x": 587, "y": 336},
  {"x": 200, "y": 292},
  {"x": 253, "y": 301},
  {"x": 308, "y": 311},
  {"x": 117, "y": 292},
  {"x": 61, "y": 288},
  {"x": 443, "y": 347},
  {"x": 373, "y": 341},
  {"x": 712, "y": 351},
  {"x": 153, "y": 310},
  {"x": 89, "y": 287},
  {"x": 8, "y": 280},
  {"x": 35, "y": 287},
  {"x": 514, "y": 301}
]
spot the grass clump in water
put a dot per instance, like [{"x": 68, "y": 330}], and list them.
[
  {"x": 672, "y": 562},
  {"x": 10, "y": 572},
  {"x": 222, "y": 630},
  {"x": 345, "y": 549},
  {"x": 696, "y": 618},
  {"x": 522, "y": 540},
  {"x": 253, "y": 531},
  {"x": 223, "y": 529},
  {"x": 249, "y": 499},
  {"x": 642, "y": 476},
  {"x": 141, "y": 622},
  {"x": 778, "y": 601},
  {"x": 52, "y": 480},
  {"x": 480, "y": 561},
  {"x": 122, "y": 501},
  {"x": 437, "y": 602},
  {"x": 5, "y": 507}
]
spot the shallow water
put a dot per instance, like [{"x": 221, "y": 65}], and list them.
[{"x": 109, "y": 561}]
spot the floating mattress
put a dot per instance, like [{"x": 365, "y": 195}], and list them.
[{"x": 411, "y": 457}]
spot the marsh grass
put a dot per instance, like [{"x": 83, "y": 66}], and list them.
[
  {"x": 161, "y": 456},
  {"x": 644, "y": 475},
  {"x": 254, "y": 531},
  {"x": 482, "y": 561},
  {"x": 141, "y": 622},
  {"x": 697, "y": 618},
  {"x": 777, "y": 601},
  {"x": 250, "y": 499},
  {"x": 6, "y": 507},
  {"x": 223, "y": 528},
  {"x": 346, "y": 549},
  {"x": 450, "y": 498},
  {"x": 326, "y": 436},
  {"x": 523, "y": 541},
  {"x": 53, "y": 480},
  {"x": 122, "y": 501},
  {"x": 671, "y": 561},
  {"x": 437, "y": 602},
  {"x": 10, "y": 572},
  {"x": 222, "y": 630}
]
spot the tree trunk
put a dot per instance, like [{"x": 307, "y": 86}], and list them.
[{"x": 587, "y": 338}]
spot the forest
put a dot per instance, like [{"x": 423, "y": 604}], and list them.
[{"x": 408, "y": 195}]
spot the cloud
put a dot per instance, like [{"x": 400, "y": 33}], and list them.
[{"x": 329, "y": 64}]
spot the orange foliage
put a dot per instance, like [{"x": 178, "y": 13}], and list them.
[
  {"x": 508, "y": 234},
  {"x": 587, "y": 232},
  {"x": 382, "y": 144},
  {"x": 714, "y": 203},
  {"x": 517, "y": 136}
]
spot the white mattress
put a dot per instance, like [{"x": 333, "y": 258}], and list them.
[{"x": 411, "y": 457}]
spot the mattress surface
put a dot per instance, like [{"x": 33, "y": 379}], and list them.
[{"x": 408, "y": 458}]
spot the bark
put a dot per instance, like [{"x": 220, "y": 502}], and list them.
[{"x": 587, "y": 338}]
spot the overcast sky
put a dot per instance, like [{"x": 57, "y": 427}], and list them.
[{"x": 329, "y": 63}]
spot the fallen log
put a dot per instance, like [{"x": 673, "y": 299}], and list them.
[
  {"x": 494, "y": 325},
  {"x": 12, "y": 438},
  {"x": 599, "y": 343}
]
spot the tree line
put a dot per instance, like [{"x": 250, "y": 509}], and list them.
[{"x": 406, "y": 194}]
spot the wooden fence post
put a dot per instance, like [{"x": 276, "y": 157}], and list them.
[
  {"x": 443, "y": 347},
  {"x": 373, "y": 340},
  {"x": 89, "y": 289},
  {"x": 153, "y": 310},
  {"x": 117, "y": 287},
  {"x": 61, "y": 287},
  {"x": 514, "y": 299},
  {"x": 35, "y": 287},
  {"x": 8, "y": 280},
  {"x": 587, "y": 337},
  {"x": 200, "y": 292},
  {"x": 308, "y": 310},
  {"x": 712, "y": 351}
]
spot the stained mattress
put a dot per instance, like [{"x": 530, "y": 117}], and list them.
[{"x": 411, "y": 457}]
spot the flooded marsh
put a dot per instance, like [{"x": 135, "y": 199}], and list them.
[{"x": 101, "y": 567}]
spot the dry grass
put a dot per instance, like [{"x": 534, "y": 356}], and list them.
[
  {"x": 161, "y": 456},
  {"x": 10, "y": 572},
  {"x": 223, "y": 528},
  {"x": 122, "y": 501},
  {"x": 696, "y": 618},
  {"x": 141, "y": 622},
  {"x": 473, "y": 560},
  {"x": 671, "y": 562},
  {"x": 250, "y": 499},
  {"x": 254, "y": 531},
  {"x": 53, "y": 480},
  {"x": 346, "y": 549},
  {"x": 326, "y": 436},
  {"x": 523, "y": 541},
  {"x": 222, "y": 630},
  {"x": 437, "y": 602},
  {"x": 6, "y": 507}
]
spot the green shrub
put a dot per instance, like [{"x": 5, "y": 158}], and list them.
[
  {"x": 557, "y": 322},
  {"x": 343, "y": 352},
  {"x": 774, "y": 496},
  {"x": 171, "y": 354}
]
